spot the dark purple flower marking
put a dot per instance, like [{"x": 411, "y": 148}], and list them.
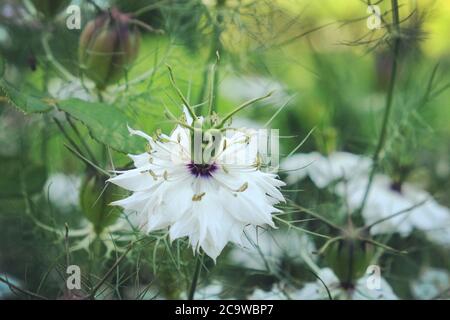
[{"x": 202, "y": 170}]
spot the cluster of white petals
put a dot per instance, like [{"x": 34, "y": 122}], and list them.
[
  {"x": 60, "y": 89},
  {"x": 242, "y": 88},
  {"x": 383, "y": 202},
  {"x": 324, "y": 170},
  {"x": 348, "y": 174},
  {"x": 272, "y": 248},
  {"x": 365, "y": 288},
  {"x": 212, "y": 203},
  {"x": 432, "y": 283}
]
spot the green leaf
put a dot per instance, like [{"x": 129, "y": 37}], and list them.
[
  {"x": 26, "y": 98},
  {"x": 106, "y": 123}
]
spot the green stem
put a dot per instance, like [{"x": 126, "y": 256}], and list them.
[
  {"x": 49, "y": 56},
  {"x": 388, "y": 107},
  {"x": 82, "y": 141},
  {"x": 180, "y": 94},
  {"x": 198, "y": 266},
  {"x": 104, "y": 151},
  {"x": 148, "y": 8},
  {"x": 94, "y": 290},
  {"x": 238, "y": 109},
  {"x": 67, "y": 136},
  {"x": 216, "y": 48},
  {"x": 13, "y": 287}
]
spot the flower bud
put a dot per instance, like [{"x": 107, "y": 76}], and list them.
[
  {"x": 95, "y": 197},
  {"x": 49, "y": 8},
  {"x": 349, "y": 258},
  {"x": 107, "y": 47}
]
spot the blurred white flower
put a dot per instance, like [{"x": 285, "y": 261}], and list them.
[
  {"x": 362, "y": 291},
  {"x": 210, "y": 203},
  {"x": 61, "y": 89},
  {"x": 272, "y": 248},
  {"x": 383, "y": 201},
  {"x": 13, "y": 12},
  {"x": 324, "y": 170},
  {"x": 240, "y": 89},
  {"x": 440, "y": 234},
  {"x": 5, "y": 38},
  {"x": 431, "y": 283},
  {"x": 316, "y": 290},
  {"x": 351, "y": 172},
  {"x": 210, "y": 292},
  {"x": 274, "y": 294},
  {"x": 63, "y": 191}
]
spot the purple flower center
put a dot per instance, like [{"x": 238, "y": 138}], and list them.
[
  {"x": 202, "y": 170},
  {"x": 396, "y": 186}
]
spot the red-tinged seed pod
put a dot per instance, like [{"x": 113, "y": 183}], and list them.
[
  {"x": 49, "y": 8},
  {"x": 108, "y": 45}
]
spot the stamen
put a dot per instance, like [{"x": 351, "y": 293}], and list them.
[
  {"x": 243, "y": 187},
  {"x": 155, "y": 177},
  {"x": 198, "y": 197}
]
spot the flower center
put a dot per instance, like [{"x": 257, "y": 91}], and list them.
[
  {"x": 202, "y": 170},
  {"x": 396, "y": 186}
]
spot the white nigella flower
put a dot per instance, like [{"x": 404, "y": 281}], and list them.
[
  {"x": 272, "y": 248},
  {"x": 210, "y": 292},
  {"x": 384, "y": 200},
  {"x": 60, "y": 89},
  {"x": 274, "y": 294},
  {"x": 249, "y": 87},
  {"x": 324, "y": 170},
  {"x": 431, "y": 284},
  {"x": 209, "y": 202},
  {"x": 63, "y": 191},
  {"x": 86, "y": 90},
  {"x": 364, "y": 289},
  {"x": 351, "y": 173}
]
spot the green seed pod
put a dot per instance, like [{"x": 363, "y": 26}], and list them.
[
  {"x": 95, "y": 197},
  {"x": 108, "y": 45},
  {"x": 49, "y": 8},
  {"x": 349, "y": 258}
]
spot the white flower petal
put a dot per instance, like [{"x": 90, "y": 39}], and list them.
[{"x": 210, "y": 208}]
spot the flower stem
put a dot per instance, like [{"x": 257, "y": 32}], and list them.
[
  {"x": 388, "y": 107},
  {"x": 239, "y": 108},
  {"x": 180, "y": 94},
  {"x": 49, "y": 56},
  {"x": 211, "y": 73},
  {"x": 198, "y": 266}
]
